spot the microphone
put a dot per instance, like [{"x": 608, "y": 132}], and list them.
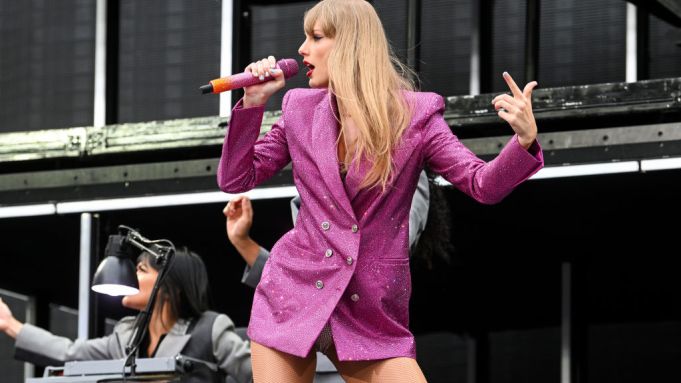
[{"x": 242, "y": 80}]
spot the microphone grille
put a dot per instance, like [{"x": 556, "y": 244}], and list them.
[{"x": 288, "y": 66}]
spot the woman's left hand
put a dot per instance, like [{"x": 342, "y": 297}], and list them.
[{"x": 517, "y": 110}]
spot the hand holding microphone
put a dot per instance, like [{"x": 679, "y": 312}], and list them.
[{"x": 260, "y": 80}]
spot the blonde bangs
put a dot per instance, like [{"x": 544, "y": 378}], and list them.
[{"x": 320, "y": 12}]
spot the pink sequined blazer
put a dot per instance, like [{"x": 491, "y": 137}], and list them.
[{"x": 346, "y": 261}]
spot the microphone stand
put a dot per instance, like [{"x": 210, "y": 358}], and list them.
[{"x": 163, "y": 255}]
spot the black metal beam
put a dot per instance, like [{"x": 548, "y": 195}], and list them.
[
  {"x": 96, "y": 321},
  {"x": 532, "y": 40},
  {"x": 486, "y": 11},
  {"x": 413, "y": 34},
  {"x": 642, "y": 44},
  {"x": 133, "y": 180},
  {"x": 575, "y": 107},
  {"x": 668, "y": 10},
  {"x": 113, "y": 12},
  {"x": 242, "y": 44}
]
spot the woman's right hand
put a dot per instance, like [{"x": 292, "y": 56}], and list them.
[
  {"x": 8, "y": 324},
  {"x": 256, "y": 95},
  {"x": 239, "y": 213}
]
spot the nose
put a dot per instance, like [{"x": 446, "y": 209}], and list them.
[{"x": 303, "y": 49}]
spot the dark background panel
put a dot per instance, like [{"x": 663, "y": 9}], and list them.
[
  {"x": 13, "y": 371},
  {"x": 63, "y": 321},
  {"x": 445, "y": 46},
  {"x": 614, "y": 228},
  {"x": 581, "y": 42},
  {"x": 393, "y": 15},
  {"x": 508, "y": 43},
  {"x": 503, "y": 273},
  {"x": 664, "y": 49},
  {"x": 167, "y": 49},
  {"x": 40, "y": 258},
  {"x": 524, "y": 356},
  {"x": 46, "y": 64},
  {"x": 443, "y": 357},
  {"x": 628, "y": 283},
  {"x": 634, "y": 352}
]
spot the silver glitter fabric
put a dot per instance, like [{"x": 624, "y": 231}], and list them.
[{"x": 346, "y": 262}]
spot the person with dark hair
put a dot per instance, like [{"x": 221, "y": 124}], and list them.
[{"x": 180, "y": 324}]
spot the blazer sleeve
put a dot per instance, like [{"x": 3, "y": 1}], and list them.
[
  {"x": 487, "y": 182},
  {"x": 233, "y": 354},
  {"x": 253, "y": 274},
  {"x": 39, "y": 346},
  {"x": 247, "y": 161}
]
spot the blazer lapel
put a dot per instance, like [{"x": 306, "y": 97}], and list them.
[
  {"x": 172, "y": 343},
  {"x": 402, "y": 154},
  {"x": 324, "y": 137},
  {"x": 175, "y": 340},
  {"x": 122, "y": 339}
]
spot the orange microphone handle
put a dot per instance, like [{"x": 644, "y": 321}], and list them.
[{"x": 221, "y": 85}]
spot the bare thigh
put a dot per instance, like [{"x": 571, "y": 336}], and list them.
[
  {"x": 272, "y": 366},
  {"x": 393, "y": 370}
]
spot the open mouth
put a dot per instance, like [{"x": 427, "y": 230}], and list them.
[{"x": 310, "y": 68}]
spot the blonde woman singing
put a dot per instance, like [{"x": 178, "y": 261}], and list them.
[{"x": 339, "y": 281}]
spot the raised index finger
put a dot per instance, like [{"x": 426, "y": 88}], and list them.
[{"x": 511, "y": 84}]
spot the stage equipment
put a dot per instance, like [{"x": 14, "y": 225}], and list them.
[
  {"x": 148, "y": 369},
  {"x": 114, "y": 275}
]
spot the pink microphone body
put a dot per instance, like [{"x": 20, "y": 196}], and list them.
[{"x": 242, "y": 80}]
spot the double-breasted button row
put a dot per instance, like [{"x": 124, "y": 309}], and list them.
[
  {"x": 326, "y": 226},
  {"x": 329, "y": 253}
]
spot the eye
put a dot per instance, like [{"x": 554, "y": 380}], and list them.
[{"x": 317, "y": 37}]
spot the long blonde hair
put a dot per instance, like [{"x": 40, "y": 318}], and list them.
[{"x": 367, "y": 80}]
